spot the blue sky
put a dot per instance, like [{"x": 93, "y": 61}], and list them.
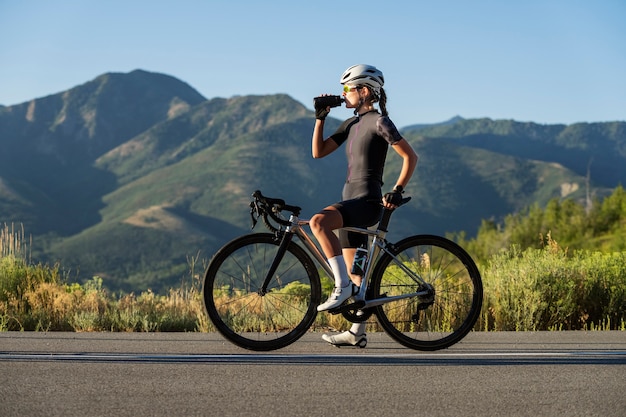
[{"x": 550, "y": 61}]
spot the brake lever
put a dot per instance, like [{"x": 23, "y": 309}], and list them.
[{"x": 254, "y": 209}]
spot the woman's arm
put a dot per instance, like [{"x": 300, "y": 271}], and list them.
[
  {"x": 409, "y": 161},
  {"x": 320, "y": 147}
]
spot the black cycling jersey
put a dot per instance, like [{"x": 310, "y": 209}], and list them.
[{"x": 367, "y": 138}]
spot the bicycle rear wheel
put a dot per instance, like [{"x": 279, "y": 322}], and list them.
[
  {"x": 454, "y": 289},
  {"x": 249, "y": 317}
]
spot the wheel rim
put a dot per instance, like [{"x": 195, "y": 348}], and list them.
[
  {"x": 247, "y": 316},
  {"x": 451, "y": 307}
]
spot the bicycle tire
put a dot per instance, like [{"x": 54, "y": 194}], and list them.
[
  {"x": 446, "y": 316},
  {"x": 235, "y": 305}
]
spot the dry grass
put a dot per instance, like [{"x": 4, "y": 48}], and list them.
[
  {"x": 40, "y": 297},
  {"x": 532, "y": 289}
]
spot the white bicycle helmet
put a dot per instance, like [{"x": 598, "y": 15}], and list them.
[{"x": 363, "y": 74}]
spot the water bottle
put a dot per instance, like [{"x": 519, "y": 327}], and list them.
[
  {"x": 360, "y": 259},
  {"x": 322, "y": 102}
]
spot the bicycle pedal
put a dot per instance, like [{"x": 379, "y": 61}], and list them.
[{"x": 335, "y": 311}]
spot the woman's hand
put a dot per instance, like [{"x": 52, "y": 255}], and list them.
[{"x": 393, "y": 199}]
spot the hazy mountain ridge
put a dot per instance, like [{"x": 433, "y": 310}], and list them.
[
  {"x": 596, "y": 147},
  {"x": 129, "y": 174},
  {"x": 50, "y": 144},
  {"x": 202, "y": 126}
]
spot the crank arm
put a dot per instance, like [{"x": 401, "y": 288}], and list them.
[
  {"x": 347, "y": 307},
  {"x": 384, "y": 300}
]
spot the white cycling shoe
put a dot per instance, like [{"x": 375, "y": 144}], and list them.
[
  {"x": 346, "y": 338},
  {"x": 338, "y": 296}
]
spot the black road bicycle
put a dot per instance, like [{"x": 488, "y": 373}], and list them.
[{"x": 261, "y": 290}]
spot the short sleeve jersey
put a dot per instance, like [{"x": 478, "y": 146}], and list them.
[{"x": 367, "y": 138}]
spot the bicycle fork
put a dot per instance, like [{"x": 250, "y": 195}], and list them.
[{"x": 282, "y": 248}]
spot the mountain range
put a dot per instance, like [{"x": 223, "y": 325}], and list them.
[{"x": 136, "y": 177}]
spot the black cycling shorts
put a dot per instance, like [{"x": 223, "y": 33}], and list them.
[{"x": 358, "y": 212}]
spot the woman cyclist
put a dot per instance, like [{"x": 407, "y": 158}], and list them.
[{"x": 367, "y": 136}]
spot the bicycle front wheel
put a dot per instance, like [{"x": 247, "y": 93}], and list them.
[
  {"x": 449, "y": 285},
  {"x": 245, "y": 314}
]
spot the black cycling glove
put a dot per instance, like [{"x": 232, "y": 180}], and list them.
[
  {"x": 321, "y": 113},
  {"x": 394, "y": 197}
]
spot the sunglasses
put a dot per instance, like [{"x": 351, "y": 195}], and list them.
[{"x": 347, "y": 88}]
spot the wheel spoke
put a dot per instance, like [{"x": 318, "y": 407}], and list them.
[
  {"x": 251, "y": 319},
  {"x": 452, "y": 280}
]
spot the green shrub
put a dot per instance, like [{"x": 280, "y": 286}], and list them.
[{"x": 549, "y": 289}]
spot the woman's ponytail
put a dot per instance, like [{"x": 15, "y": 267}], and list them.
[{"x": 382, "y": 102}]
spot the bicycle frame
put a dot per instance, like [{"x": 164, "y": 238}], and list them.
[
  {"x": 379, "y": 244},
  {"x": 434, "y": 285}
]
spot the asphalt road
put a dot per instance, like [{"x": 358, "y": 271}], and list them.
[{"x": 195, "y": 374}]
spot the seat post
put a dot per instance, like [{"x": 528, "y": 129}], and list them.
[
  {"x": 384, "y": 219},
  {"x": 386, "y": 216}
]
